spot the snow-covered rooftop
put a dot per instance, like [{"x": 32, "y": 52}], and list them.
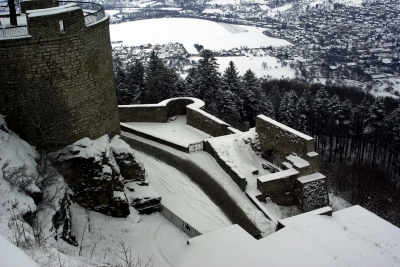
[
  {"x": 293, "y": 221},
  {"x": 311, "y": 177},
  {"x": 297, "y": 161},
  {"x": 351, "y": 237},
  {"x": 277, "y": 175}
]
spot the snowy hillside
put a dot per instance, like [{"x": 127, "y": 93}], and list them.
[{"x": 352, "y": 236}]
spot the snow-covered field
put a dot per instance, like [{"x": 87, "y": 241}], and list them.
[
  {"x": 211, "y": 35},
  {"x": 274, "y": 68}
]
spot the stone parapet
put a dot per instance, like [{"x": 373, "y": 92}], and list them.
[{"x": 191, "y": 107}]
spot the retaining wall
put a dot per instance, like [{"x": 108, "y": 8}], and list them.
[{"x": 240, "y": 181}]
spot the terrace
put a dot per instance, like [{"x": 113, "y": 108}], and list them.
[{"x": 92, "y": 13}]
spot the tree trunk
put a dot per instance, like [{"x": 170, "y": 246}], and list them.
[{"x": 13, "y": 13}]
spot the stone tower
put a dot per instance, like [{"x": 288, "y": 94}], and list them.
[{"x": 56, "y": 74}]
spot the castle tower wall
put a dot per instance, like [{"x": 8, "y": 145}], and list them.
[{"x": 61, "y": 75}]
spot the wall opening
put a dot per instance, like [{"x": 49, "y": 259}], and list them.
[{"x": 61, "y": 22}]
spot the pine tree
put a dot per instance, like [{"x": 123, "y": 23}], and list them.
[
  {"x": 191, "y": 82},
  {"x": 392, "y": 137},
  {"x": 136, "y": 74},
  {"x": 159, "y": 81},
  {"x": 208, "y": 80},
  {"x": 254, "y": 101},
  {"x": 181, "y": 87},
  {"x": 302, "y": 119},
  {"x": 232, "y": 79},
  {"x": 121, "y": 83},
  {"x": 287, "y": 109},
  {"x": 227, "y": 109},
  {"x": 321, "y": 103},
  {"x": 375, "y": 124}
]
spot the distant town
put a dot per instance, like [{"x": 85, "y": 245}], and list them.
[{"x": 355, "y": 45}]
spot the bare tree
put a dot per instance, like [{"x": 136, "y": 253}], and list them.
[{"x": 124, "y": 253}]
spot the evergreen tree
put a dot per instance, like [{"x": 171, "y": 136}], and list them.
[
  {"x": 375, "y": 125},
  {"x": 321, "y": 103},
  {"x": 136, "y": 84},
  {"x": 181, "y": 87},
  {"x": 302, "y": 119},
  {"x": 287, "y": 109},
  {"x": 190, "y": 82},
  {"x": 208, "y": 80},
  {"x": 121, "y": 83},
  {"x": 159, "y": 81},
  {"x": 392, "y": 122},
  {"x": 254, "y": 101},
  {"x": 232, "y": 79},
  {"x": 227, "y": 109}
]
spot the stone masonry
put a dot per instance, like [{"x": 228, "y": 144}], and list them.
[
  {"x": 63, "y": 71},
  {"x": 298, "y": 182},
  {"x": 191, "y": 107}
]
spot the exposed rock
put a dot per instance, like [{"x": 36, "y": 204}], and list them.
[
  {"x": 91, "y": 171},
  {"x": 142, "y": 197},
  {"x": 130, "y": 169},
  {"x": 63, "y": 218}
]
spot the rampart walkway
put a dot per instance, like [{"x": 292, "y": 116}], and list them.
[{"x": 198, "y": 175}]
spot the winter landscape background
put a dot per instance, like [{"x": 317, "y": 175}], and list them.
[{"x": 334, "y": 88}]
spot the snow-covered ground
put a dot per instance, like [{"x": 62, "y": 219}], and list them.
[
  {"x": 211, "y": 35},
  {"x": 350, "y": 237},
  {"x": 177, "y": 131},
  {"x": 209, "y": 164},
  {"x": 274, "y": 68},
  {"x": 182, "y": 196}
]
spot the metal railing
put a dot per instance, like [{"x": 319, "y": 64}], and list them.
[
  {"x": 13, "y": 31},
  {"x": 175, "y": 219},
  {"x": 94, "y": 12}
]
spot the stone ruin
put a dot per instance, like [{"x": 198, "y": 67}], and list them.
[{"x": 299, "y": 183}]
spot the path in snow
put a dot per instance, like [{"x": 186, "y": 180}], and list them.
[
  {"x": 182, "y": 196},
  {"x": 214, "y": 190}
]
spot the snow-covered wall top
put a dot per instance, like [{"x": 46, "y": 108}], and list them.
[
  {"x": 284, "y": 127},
  {"x": 283, "y": 140}
]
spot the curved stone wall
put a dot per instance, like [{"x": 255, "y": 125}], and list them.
[
  {"x": 61, "y": 73},
  {"x": 160, "y": 113}
]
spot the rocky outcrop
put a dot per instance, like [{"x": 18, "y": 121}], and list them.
[
  {"x": 94, "y": 171},
  {"x": 130, "y": 169},
  {"x": 142, "y": 197},
  {"x": 63, "y": 218}
]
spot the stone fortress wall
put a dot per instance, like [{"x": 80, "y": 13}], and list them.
[
  {"x": 61, "y": 72},
  {"x": 191, "y": 107},
  {"x": 300, "y": 182},
  {"x": 297, "y": 182}
]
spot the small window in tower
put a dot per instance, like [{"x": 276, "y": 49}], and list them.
[{"x": 61, "y": 26}]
